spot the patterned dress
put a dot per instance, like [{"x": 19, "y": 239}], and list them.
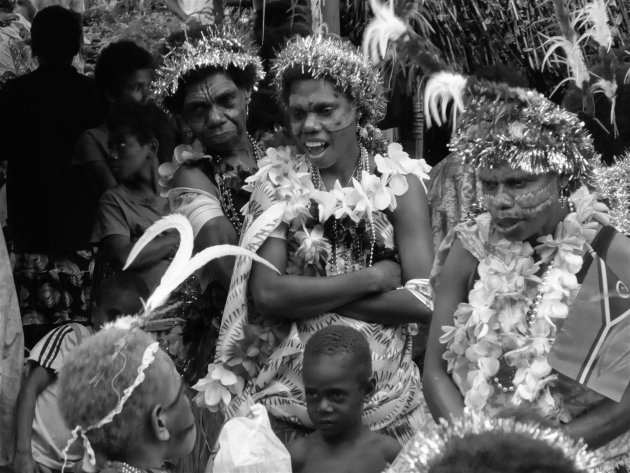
[{"x": 396, "y": 408}]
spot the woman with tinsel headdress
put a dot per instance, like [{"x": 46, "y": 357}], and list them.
[
  {"x": 531, "y": 294},
  {"x": 206, "y": 83},
  {"x": 345, "y": 221}
]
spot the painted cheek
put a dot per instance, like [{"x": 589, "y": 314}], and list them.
[{"x": 534, "y": 202}]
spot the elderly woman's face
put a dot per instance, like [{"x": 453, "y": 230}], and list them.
[
  {"x": 323, "y": 120},
  {"x": 215, "y": 109},
  {"x": 522, "y": 205}
]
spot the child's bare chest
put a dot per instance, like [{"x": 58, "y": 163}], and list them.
[{"x": 349, "y": 461}]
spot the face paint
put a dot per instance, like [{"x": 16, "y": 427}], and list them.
[
  {"x": 215, "y": 110},
  {"x": 324, "y": 122},
  {"x": 522, "y": 205}
]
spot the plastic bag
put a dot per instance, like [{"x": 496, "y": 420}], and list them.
[{"x": 248, "y": 445}]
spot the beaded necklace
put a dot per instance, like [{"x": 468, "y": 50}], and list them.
[
  {"x": 351, "y": 254},
  {"x": 227, "y": 199},
  {"x": 122, "y": 467}
]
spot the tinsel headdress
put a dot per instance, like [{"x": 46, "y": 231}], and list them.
[
  {"x": 327, "y": 57},
  {"x": 495, "y": 124},
  {"x": 221, "y": 47},
  {"x": 428, "y": 445}
]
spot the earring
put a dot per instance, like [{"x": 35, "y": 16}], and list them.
[{"x": 565, "y": 200}]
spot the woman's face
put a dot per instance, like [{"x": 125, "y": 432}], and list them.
[
  {"x": 323, "y": 120},
  {"x": 215, "y": 109},
  {"x": 522, "y": 205}
]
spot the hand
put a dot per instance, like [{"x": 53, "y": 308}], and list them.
[
  {"x": 387, "y": 275},
  {"x": 24, "y": 463},
  {"x": 6, "y": 18}
]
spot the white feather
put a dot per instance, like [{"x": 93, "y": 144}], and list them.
[
  {"x": 574, "y": 59},
  {"x": 182, "y": 256},
  {"x": 440, "y": 90},
  {"x": 609, "y": 89},
  {"x": 383, "y": 28},
  {"x": 201, "y": 259},
  {"x": 594, "y": 14}
]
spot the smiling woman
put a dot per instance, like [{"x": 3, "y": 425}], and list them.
[{"x": 346, "y": 224}]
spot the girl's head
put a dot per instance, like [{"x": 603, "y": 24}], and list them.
[
  {"x": 156, "y": 421},
  {"x": 124, "y": 72},
  {"x": 207, "y": 79},
  {"x": 121, "y": 294},
  {"x": 135, "y": 133}
]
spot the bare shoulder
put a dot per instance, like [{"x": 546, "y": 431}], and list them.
[
  {"x": 618, "y": 257},
  {"x": 298, "y": 449},
  {"x": 388, "y": 446},
  {"x": 190, "y": 176}
]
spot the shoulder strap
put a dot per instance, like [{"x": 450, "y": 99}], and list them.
[{"x": 600, "y": 245}]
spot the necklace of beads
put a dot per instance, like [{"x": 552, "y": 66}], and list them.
[
  {"x": 506, "y": 383},
  {"x": 353, "y": 254},
  {"x": 227, "y": 199},
  {"x": 123, "y": 467}
]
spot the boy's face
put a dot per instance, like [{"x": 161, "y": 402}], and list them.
[
  {"x": 176, "y": 410},
  {"x": 334, "y": 395},
  {"x": 137, "y": 86},
  {"x": 124, "y": 303},
  {"x": 127, "y": 156}
]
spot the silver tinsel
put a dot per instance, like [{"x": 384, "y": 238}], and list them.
[
  {"x": 220, "y": 47},
  {"x": 612, "y": 184},
  {"x": 328, "y": 57},
  {"x": 524, "y": 129},
  {"x": 428, "y": 445}
]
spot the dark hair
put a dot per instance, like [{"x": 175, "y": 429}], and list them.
[
  {"x": 116, "y": 62},
  {"x": 341, "y": 340},
  {"x": 242, "y": 78},
  {"x": 124, "y": 282},
  {"x": 144, "y": 121},
  {"x": 56, "y": 34},
  {"x": 500, "y": 452},
  {"x": 503, "y": 74}
]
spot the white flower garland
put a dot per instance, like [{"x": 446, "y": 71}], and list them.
[
  {"x": 491, "y": 334},
  {"x": 290, "y": 177}
]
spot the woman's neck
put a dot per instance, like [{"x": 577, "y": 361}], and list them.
[
  {"x": 344, "y": 168},
  {"x": 240, "y": 153}
]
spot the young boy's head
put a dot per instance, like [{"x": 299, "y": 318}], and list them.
[
  {"x": 135, "y": 133},
  {"x": 337, "y": 373},
  {"x": 124, "y": 72},
  {"x": 118, "y": 295},
  {"x": 155, "y": 423}
]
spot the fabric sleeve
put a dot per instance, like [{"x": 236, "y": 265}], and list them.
[
  {"x": 110, "y": 219},
  {"x": 197, "y": 206},
  {"x": 77, "y": 6},
  {"x": 88, "y": 149},
  {"x": 50, "y": 351}
]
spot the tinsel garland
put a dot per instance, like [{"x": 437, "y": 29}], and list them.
[
  {"x": 428, "y": 445},
  {"x": 612, "y": 184},
  {"x": 331, "y": 58},
  {"x": 219, "y": 46}
]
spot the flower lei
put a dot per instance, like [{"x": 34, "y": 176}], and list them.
[
  {"x": 491, "y": 334},
  {"x": 310, "y": 211},
  {"x": 306, "y": 212}
]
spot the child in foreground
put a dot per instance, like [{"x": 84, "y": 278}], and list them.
[
  {"x": 131, "y": 434},
  {"x": 338, "y": 379}
]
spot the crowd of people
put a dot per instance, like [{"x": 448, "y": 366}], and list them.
[{"x": 167, "y": 270}]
